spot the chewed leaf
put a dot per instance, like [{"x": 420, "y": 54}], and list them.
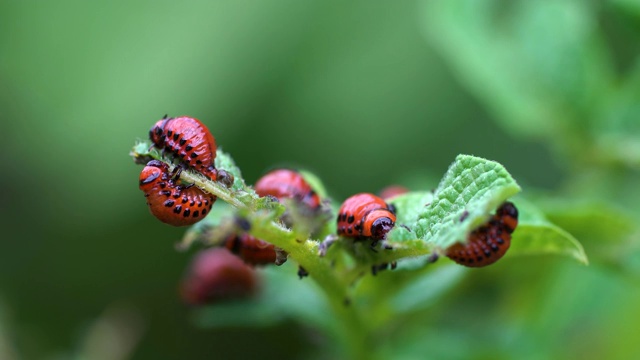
[
  {"x": 470, "y": 191},
  {"x": 537, "y": 235}
]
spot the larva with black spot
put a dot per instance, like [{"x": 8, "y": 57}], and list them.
[
  {"x": 189, "y": 139},
  {"x": 250, "y": 249},
  {"x": 489, "y": 242},
  {"x": 173, "y": 203},
  {"x": 286, "y": 183},
  {"x": 365, "y": 216}
]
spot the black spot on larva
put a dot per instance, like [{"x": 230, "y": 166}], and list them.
[
  {"x": 169, "y": 133},
  {"x": 192, "y": 202},
  {"x": 494, "y": 247},
  {"x": 176, "y": 136},
  {"x": 176, "y": 195},
  {"x": 349, "y": 230},
  {"x": 487, "y": 253},
  {"x": 206, "y": 202},
  {"x": 500, "y": 241},
  {"x": 339, "y": 217},
  {"x": 163, "y": 185},
  {"x": 157, "y": 130},
  {"x": 196, "y": 214},
  {"x": 193, "y": 155},
  {"x": 182, "y": 142},
  {"x": 358, "y": 227},
  {"x": 177, "y": 209},
  {"x": 184, "y": 199},
  {"x": 199, "y": 204},
  {"x": 165, "y": 192},
  {"x": 350, "y": 219},
  {"x": 169, "y": 203},
  {"x": 198, "y": 162},
  {"x": 188, "y": 148},
  {"x": 186, "y": 212},
  {"x": 204, "y": 211},
  {"x": 479, "y": 258}
]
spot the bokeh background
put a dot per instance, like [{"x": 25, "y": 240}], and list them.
[{"x": 364, "y": 95}]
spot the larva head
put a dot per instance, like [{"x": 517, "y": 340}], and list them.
[
  {"x": 508, "y": 214},
  {"x": 378, "y": 223},
  {"x": 156, "y": 134},
  {"x": 153, "y": 172}
]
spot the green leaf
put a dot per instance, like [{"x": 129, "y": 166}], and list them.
[
  {"x": 535, "y": 234},
  {"x": 470, "y": 191},
  {"x": 316, "y": 184}
]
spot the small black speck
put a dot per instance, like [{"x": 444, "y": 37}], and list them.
[
  {"x": 186, "y": 212},
  {"x": 350, "y": 219},
  {"x": 188, "y": 148},
  {"x": 176, "y": 136},
  {"x": 163, "y": 185},
  {"x": 193, "y": 155},
  {"x": 184, "y": 199},
  {"x": 198, "y": 162},
  {"x": 165, "y": 192},
  {"x": 169, "y": 133},
  {"x": 192, "y": 202},
  {"x": 204, "y": 211},
  {"x": 196, "y": 214},
  {"x": 182, "y": 142},
  {"x": 177, "y": 209},
  {"x": 169, "y": 203}
]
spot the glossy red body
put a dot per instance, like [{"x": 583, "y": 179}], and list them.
[
  {"x": 217, "y": 275},
  {"x": 488, "y": 243},
  {"x": 173, "y": 203},
  {"x": 188, "y": 139},
  {"x": 252, "y": 250},
  {"x": 285, "y": 183},
  {"x": 365, "y": 215}
]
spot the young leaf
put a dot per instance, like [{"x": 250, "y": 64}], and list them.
[{"x": 470, "y": 191}]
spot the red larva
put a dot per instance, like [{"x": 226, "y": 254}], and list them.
[
  {"x": 252, "y": 250},
  {"x": 172, "y": 203},
  {"x": 365, "y": 216},
  {"x": 191, "y": 141},
  {"x": 285, "y": 183},
  {"x": 281, "y": 183},
  {"x": 488, "y": 243},
  {"x": 217, "y": 275}
]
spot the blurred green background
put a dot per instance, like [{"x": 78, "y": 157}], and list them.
[{"x": 363, "y": 94}]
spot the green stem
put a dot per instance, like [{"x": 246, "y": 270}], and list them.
[{"x": 300, "y": 249}]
